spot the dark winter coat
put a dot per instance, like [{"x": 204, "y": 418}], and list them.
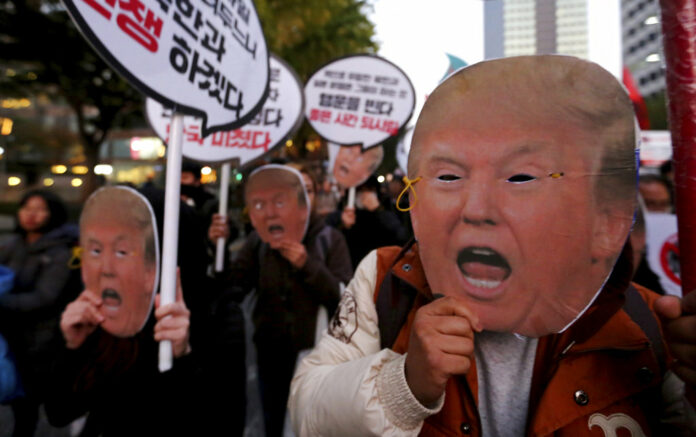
[
  {"x": 288, "y": 298},
  {"x": 30, "y": 312}
]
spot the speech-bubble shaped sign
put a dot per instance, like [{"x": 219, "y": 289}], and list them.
[
  {"x": 359, "y": 99},
  {"x": 280, "y": 116},
  {"x": 207, "y": 59}
]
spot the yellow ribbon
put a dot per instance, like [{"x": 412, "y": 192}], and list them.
[
  {"x": 409, "y": 184},
  {"x": 75, "y": 262}
]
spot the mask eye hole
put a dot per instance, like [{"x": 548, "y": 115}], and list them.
[
  {"x": 448, "y": 177},
  {"x": 521, "y": 178}
]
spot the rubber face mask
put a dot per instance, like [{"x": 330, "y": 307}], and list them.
[
  {"x": 527, "y": 189},
  {"x": 120, "y": 257},
  {"x": 351, "y": 166},
  {"x": 278, "y": 205}
]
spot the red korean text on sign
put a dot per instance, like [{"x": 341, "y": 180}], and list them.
[{"x": 133, "y": 18}]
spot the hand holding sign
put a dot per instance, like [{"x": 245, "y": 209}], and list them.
[
  {"x": 173, "y": 322},
  {"x": 441, "y": 345}
]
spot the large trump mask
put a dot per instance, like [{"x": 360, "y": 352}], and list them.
[{"x": 527, "y": 188}]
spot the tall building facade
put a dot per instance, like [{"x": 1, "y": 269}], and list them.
[
  {"x": 642, "y": 44},
  {"x": 588, "y": 29}
]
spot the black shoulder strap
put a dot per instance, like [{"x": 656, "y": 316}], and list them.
[
  {"x": 394, "y": 302},
  {"x": 640, "y": 313}
]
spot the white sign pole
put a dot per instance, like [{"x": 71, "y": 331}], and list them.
[
  {"x": 224, "y": 189},
  {"x": 170, "y": 235},
  {"x": 351, "y": 197}
]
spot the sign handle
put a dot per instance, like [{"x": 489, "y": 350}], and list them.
[
  {"x": 224, "y": 190},
  {"x": 170, "y": 235},
  {"x": 351, "y": 198}
]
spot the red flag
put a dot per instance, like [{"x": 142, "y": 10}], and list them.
[{"x": 638, "y": 102}]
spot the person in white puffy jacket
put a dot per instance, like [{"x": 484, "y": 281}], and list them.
[{"x": 515, "y": 236}]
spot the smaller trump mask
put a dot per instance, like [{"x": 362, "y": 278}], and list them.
[{"x": 120, "y": 257}]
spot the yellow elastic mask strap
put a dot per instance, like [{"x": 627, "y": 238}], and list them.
[
  {"x": 75, "y": 262},
  {"x": 409, "y": 184}
]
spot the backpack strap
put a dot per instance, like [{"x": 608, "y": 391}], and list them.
[
  {"x": 394, "y": 301},
  {"x": 640, "y": 313}
]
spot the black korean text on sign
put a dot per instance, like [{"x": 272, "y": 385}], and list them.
[
  {"x": 360, "y": 99},
  {"x": 282, "y": 113},
  {"x": 215, "y": 46}
]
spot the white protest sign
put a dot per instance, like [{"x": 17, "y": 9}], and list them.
[
  {"x": 206, "y": 58},
  {"x": 279, "y": 117},
  {"x": 662, "y": 244},
  {"x": 359, "y": 99},
  {"x": 655, "y": 147}
]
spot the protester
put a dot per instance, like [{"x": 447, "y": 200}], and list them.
[
  {"x": 370, "y": 224},
  {"x": 193, "y": 193},
  {"x": 292, "y": 272},
  {"x": 38, "y": 252},
  {"x": 522, "y": 187},
  {"x": 114, "y": 377},
  {"x": 656, "y": 193}
]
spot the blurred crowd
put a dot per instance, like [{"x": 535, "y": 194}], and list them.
[
  {"x": 53, "y": 351},
  {"x": 295, "y": 288}
]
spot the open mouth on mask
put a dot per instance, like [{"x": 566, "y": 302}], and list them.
[
  {"x": 276, "y": 230},
  {"x": 483, "y": 267},
  {"x": 111, "y": 299}
]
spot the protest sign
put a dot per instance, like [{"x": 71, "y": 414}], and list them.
[
  {"x": 205, "y": 58},
  {"x": 279, "y": 117},
  {"x": 662, "y": 245},
  {"x": 358, "y": 99}
]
